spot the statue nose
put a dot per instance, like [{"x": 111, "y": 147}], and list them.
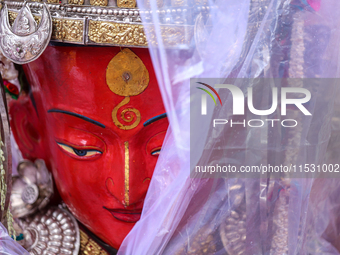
[
  {"x": 121, "y": 192},
  {"x": 134, "y": 197},
  {"x": 130, "y": 185},
  {"x": 115, "y": 192}
]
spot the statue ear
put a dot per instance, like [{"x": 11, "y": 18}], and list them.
[{"x": 24, "y": 125}]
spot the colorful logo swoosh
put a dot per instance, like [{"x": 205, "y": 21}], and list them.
[{"x": 212, "y": 89}]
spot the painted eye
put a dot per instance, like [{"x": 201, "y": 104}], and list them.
[
  {"x": 156, "y": 152},
  {"x": 80, "y": 153}
]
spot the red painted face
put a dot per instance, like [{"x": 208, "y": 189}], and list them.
[{"x": 96, "y": 116}]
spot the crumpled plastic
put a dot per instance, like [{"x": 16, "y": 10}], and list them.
[
  {"x": 8, "y": 246},
  {"x": 243, "y": 39}
]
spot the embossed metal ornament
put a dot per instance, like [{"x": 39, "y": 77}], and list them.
[
  {"x": 54, "y": 231},
  {"x": 31, "y": 189},
  {"x": 233, "y": 228},
  {"x": 233, "y": 231},
  {"x": 30, "y": 194},
  {"x": 24, "y": 41},
  {"x": 109, "y": 24}
]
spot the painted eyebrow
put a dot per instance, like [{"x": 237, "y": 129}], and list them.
[
  {"x": 153, "y": 119},
  {"x": 78, "y": 116}
]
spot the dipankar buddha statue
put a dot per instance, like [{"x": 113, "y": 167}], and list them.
[{"x": 91, "y": 112}]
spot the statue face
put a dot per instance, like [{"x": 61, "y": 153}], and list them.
[{"x": 96, "y": 116}]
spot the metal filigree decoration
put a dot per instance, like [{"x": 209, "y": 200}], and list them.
[
  {"x": 201, "y": 243},
  {"x": 13, "y": 15},
  {"x": 24, "y": 41},
  {"x": 233, "y": 228},
  {"x": 233, "y": 231},
  {"x": 107, "y": 26},
  {"x": 172, "y": 35},
  {"x": 207, "y": 234},
  {"x": 89, "y": 246},
  {"x": 116, "y": 33},
  {"x": 126, "y": 75},
  {"x": 78, "y": 2},
  {"x": 54, "y": 231},
  {"x": 117, "y": 23},
  {"x": 279, "y": 244},
  {"x": 31, "y": 189},
  {"x": 68, "y": 30},
  {"x": 126, "y": 3},
  {"x": 24, "y": 23},
  {"x": 98, "y": 2}
]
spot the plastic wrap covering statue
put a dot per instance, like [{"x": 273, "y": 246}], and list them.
[
  {"x": 185, "y": 214},
  {"x": 99, "y": 116}
]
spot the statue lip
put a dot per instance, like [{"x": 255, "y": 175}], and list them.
[{"x": 125, "y": 215}]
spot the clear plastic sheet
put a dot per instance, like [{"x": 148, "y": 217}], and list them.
[
  {"x": 243, "y": 39},
  {"x": 8, "y": 246}
]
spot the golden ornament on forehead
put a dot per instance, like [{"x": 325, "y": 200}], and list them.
[{"x": 126, "y": 74}]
